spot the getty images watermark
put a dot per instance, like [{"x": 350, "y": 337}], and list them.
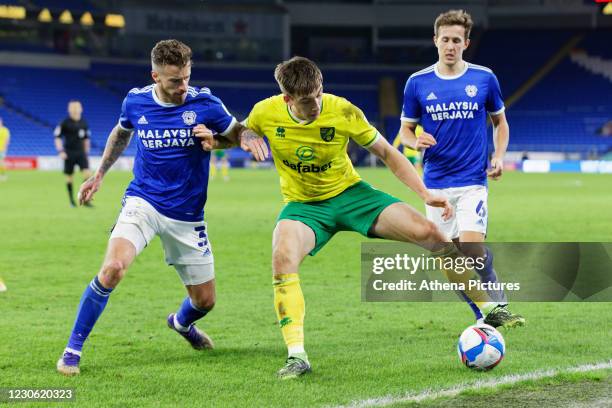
[
  {"x": 411, "y": 265},
  {"x": 525, "y": 272}
]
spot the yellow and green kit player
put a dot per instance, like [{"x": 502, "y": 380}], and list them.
[
  {"x": 412, "y": 155},
  {"x": 219, "y": 158},
  {"x": 5, "y": 138},
  {"x": 308, "y": 132}
]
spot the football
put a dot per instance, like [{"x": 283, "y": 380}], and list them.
[{"x": 481, "y": 347}]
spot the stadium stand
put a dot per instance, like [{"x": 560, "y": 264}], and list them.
[
  {"x": 28, "y": 138},
  {"x": 557, "y": 114},
  {"x": 562, "y": 113},
  {"x": 102, "y": 88},
  {"x": 42, "y": 96}
]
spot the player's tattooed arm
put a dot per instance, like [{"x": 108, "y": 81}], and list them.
[
  {"x": 249, "y": 141},
  {"x": 118, "y": 140},
  {"x": 253, "y": 143},
  {"x": 222, "y": 142},
  {"x": 238, "y": 135}
]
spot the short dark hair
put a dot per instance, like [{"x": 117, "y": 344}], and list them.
[
  {"x": 298, "y": 76},
  {"x": 454, "y": 17},
  {"x": 171, "y": 52}
]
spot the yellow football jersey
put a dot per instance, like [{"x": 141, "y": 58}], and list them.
[
  {"x": 4, "y": 137},
  {"x": 311, "y": 157}
]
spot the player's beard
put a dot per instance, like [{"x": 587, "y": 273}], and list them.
[
  {"x": 180, "y": 99},
  {"x": 177, "y": 98},
  {"x": 172, "y": 95}
]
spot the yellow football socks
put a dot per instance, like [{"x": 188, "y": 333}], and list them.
[{"x": 290, "y": 310}]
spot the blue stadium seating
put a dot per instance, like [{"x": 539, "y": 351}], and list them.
[
  {"x": 515, "y": 55},
  {"x": 564, "y": 111},
  {"x": 44, "y": 95},
  {"x": 102, "y": 88},
  {"x": 240, "y": 88},
  {"x": 561, "y": 113},
  {"x": 27, "y": 137}
]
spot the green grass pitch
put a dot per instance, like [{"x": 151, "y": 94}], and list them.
[{"x": 49, "y": 252}]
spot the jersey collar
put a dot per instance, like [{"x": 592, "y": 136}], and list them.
[
  {"x": 300, "y": 121},
  {"x": 460, "y": 74},
  {"x": 158, "y": 101}
]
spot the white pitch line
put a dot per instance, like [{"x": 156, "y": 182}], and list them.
[{"x": 456, "y": 390}]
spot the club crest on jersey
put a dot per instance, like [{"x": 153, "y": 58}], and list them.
[
  {"x": 471, "y": 90},
  {"x": 328, "y": 133},
  {"x": 189, "y": 117}
]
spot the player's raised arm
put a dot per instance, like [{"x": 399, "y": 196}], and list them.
[
  {"x": 407, "y": 174},
  {"x": 117, "y": 142}
]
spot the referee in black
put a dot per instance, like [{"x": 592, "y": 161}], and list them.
[{"x": 72, "y": 141}]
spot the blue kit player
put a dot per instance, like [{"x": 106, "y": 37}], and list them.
[
  {"x": 166, "y": 196},
  {"x": 452, "y": 100}
]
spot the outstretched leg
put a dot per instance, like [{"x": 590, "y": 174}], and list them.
[
  {"x": 400, "y": 222},
  {"x": 119, "y": 256}
]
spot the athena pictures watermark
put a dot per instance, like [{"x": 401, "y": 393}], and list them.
[{"x": 573, "y": 272}]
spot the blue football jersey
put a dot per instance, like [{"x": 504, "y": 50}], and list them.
[
  {"x": 170, "y": 167},
  {"x": 454, "y": 110}
]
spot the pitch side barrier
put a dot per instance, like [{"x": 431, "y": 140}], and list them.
[{"x": 242, "y": 159}]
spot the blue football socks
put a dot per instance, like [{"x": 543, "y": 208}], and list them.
[
  {"x": 187, "y": 314},
  {"x": 92, "y": 305}
]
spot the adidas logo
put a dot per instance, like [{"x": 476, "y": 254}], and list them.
[
  {"x": 143, "y": 121},
  {"x": 431, "y": 96}
]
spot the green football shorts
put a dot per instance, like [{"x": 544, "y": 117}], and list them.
[{"x": 355, "y": 209}]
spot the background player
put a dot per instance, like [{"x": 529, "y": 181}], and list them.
[
  {"x": 220, "y": 160},
  {"x": 451, "y": 100},
  {"x": 166, "y": 196},
  {"x": 5, "y": 140},
  {"x": 324, "y": 193},
  {"x": 413, "y": 156},
  {"x": 72, "y": 142}
]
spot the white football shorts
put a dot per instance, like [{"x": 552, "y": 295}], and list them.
[
  {"x": 186, "y": 244},
  {"x": 471, "y": 212}
]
